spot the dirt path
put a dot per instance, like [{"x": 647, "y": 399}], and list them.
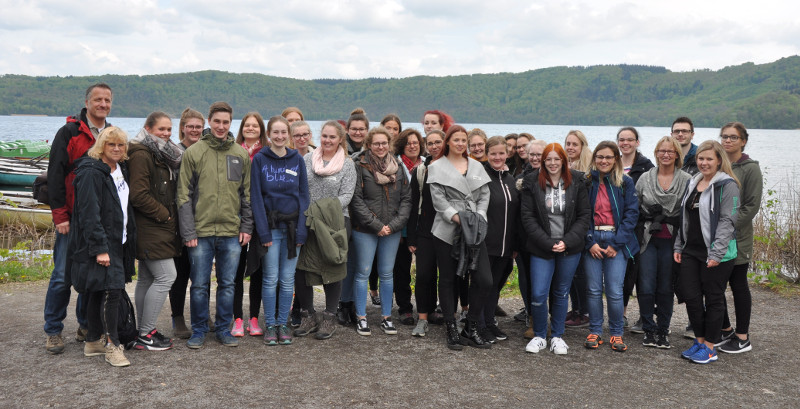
[{"x": 397, "y": 371}]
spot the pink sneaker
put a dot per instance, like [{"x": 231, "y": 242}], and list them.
[
  {"x": 253, "y": 327},
  {"x": 238, "y": 328}
]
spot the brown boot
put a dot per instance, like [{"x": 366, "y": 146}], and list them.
[
  {"x": 529, "y": 332},
  {"x": 327, "y": 325}
]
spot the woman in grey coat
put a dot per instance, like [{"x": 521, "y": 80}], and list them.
[{"x": 459, "y": 184}]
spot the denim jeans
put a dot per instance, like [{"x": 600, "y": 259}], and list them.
[
  {"x": 58, "y": 292},
  {"x": 605, "y": 274},
  {"x": 557, "y": 271},
  {"x": 367, "y": 246},
  {"x": 654, "y": 286},
  {"x": 226, "y": 252},
  {"x": 276, "y": 265}
]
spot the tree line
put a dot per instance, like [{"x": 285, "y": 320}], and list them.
[{"x": 761, "y": 96}]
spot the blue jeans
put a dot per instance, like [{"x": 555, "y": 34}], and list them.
[
  {"x": 605, "y": 274},
  {"x": 654, "y": 286},
  {"x": 557, "y": 271},
  {"x": 367, "y": 246},
  {"x": 58, "y": 292},
  {"x": 226, "y": 252},
  {"x": 276, "y": 265}
]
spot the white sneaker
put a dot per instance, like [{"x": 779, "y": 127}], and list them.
[
  {"x": 537, "y": 344},
  {"x": 558, "y": 346}
]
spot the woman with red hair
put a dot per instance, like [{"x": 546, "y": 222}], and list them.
[
  {"x": 555, "y": 215},
  {"x": 436, "y": 119}
]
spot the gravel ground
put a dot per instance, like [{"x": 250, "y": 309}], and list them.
[{"x": 397, "y": 371}]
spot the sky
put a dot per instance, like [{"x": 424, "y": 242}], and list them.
[{"x": 351, "y": 39}]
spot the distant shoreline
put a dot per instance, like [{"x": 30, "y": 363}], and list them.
[{"x": 28, "y": 115}]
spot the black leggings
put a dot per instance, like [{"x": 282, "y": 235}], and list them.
[
  {"x": 304, "y": 294},
  {"x": 177, "y": 294},
  {"x": 523, "y": 278},
  {"x": 742, "y": 302},
  {"x": 481, "y": 281},
  {"x": 402, "y": 278},
  {"x": 238, "y": 288},
  {"x": 703, "y": 290},
  {"x": 501, "y": 268},
  {"x": 101, "y": 314},
  {"x": 425, "y": 289},
  {"x": 631, "y": 276}
]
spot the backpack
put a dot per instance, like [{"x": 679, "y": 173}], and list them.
[
  {"x": 126, "y": 321},
  {"x": 40, "y": 189}
]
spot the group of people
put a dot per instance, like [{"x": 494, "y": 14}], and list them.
[{"x": 269, "y": 205}]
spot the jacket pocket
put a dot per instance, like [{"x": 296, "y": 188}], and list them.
[{"x": 234, "y": 166}]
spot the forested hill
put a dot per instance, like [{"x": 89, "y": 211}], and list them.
[{"x": 761, "y": 96}]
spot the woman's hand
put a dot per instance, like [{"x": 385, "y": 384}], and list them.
[
  {"x": 559, "y": 247},
  {"x": 676, "y": 257},
  {"x": 456, "y": 219},
  {"x": 385, "y": 231},
  {"x": 611, "y": 252},
  {"x": 103, "y": 259},
  {"x": 712, "y": 263},
  {"x": 597, "y": 252},
  {"x": 267, "y": 244},
  {"x": 412, "y": 249}
]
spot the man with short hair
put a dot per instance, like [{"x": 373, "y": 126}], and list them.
[
  {"x": 70, "y": 143},
  {"x": 683, "y": 131},
  {"x": 215, "y": 220}
]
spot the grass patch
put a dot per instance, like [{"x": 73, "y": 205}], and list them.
[{"x": 22, "y": 263}]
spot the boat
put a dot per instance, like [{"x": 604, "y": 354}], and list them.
[
  {"x": 21, "y": 172},
  {"x": 21, "y": 208},
  {"x": 23, "y": 149}
]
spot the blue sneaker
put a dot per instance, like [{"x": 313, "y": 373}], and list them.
[
  {"x": 225, "y": 338},
  {"x": 687, "y": 354},
  {"x": 196, "y": 341},
  {"x": 704, "y": 355}
]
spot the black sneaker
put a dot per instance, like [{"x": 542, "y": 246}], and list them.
[
  {"x": 487, "y": 335},
  {"x": 649, "y": 339},
  {"x": 152, "y": 342},
  {"x": 296, "y": 317},
  {"x": 662, "y": 341},
  {"x": 497, "y": 332},
  {"x": 724, "y": 337},
  {"x": 387, "y": 327},
  {"x": 407, "y": 318},
  {"x": 521, "y": 316},
  {"x": 362, "y": 328},
  {"x": 736, "y": 346}
]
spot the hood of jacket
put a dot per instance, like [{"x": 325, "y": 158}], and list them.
[{"x": 217, "y": 143}]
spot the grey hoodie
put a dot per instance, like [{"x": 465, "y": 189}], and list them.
[{"x": 717, "y": 216}]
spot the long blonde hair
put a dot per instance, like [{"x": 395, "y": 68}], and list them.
[
  {"x": 722, "y": 156},
  {"x": 584, "y": 161}
]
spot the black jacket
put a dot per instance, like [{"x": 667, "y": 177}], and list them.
[
  {"x": 536, "y": 221},
  {"x": 374, "y": 205},
  {"x": 503, "y": 213},
  {"x": 420, "y": 221},
  {"x": 640, "y": 165},
  {"x": 97, "y": 228}
]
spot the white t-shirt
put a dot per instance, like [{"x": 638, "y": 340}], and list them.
[{"x": 124, "y": 193}]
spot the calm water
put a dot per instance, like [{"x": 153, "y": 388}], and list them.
[{"x": 774, "y": 149}]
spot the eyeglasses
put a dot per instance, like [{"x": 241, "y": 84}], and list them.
[
  {"x": 379, "y": 144},
  {"x": 662, "y": 152},
  {"x": 680, "y": 131},
  {"x": 732, "y": 138},
  {"x": 520, "y": 147},
  {"x": 535, "y": 155},
  {"x": 434, "y": 143},
  {"x": 602, "y": 158},
  {"x": 476, "y": 145},
  {"x": 301, "y": 135},
  {"x": 193, "y": 127},
  {"x": 412, "y": 143},
  {"x": 359, "y": 130}
]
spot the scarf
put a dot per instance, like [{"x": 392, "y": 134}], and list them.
[
  {"x": 165, "y": 151},
  {"x": 408, "y": 162},
  {"x": 334, "y": 166},
  {"x": 384, "y": 170},
  {"x": 668, "y": 199},
  {"x": 252, "y": 150}
]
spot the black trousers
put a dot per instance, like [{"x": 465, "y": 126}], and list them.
[
  {"x": 480, "y": 284},
  {"x": 703, "y": 290},
  {"x": 425, "y": 293},
  {"x": 101, "y": 314},
  {"x": 742, "y": 301},
  {"x": 524, "y": 278},
  {"x": 402, "y": 279},
  {"x": 304, "y": 294},
  {"x": 238, "y": 288},
  {"x": 177, "y": 294},
  {"x": 631, "y": 276},
  {"x": 501, "y": 268}
]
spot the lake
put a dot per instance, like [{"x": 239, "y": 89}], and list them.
[{"x": 774, "y": 149}]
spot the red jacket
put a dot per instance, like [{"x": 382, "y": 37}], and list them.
[{"x": 70, "y": 143}]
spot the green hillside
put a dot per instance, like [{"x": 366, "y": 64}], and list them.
[{"x": 761, "y": 96}]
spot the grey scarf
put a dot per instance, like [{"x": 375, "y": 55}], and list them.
[
  {"x": 650, "y": 193},
  {"x": 165, "y": 151}
]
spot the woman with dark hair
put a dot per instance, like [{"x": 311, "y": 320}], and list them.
[
  {"x": 501, "y": 240},
  {"x": 154, "y": 163},
  {"x": 392, "y": 124},
  {"x": 190, "y": 129},
  {"x": 252, "y": 137},
  {"x": 459, "y": 188},
  {"x": 102, "y": 241},
  {"x": 611, "y": 241},
  {"x": 420, "y": 239},
  {"x": 734, "y": 139},
  {"x": 357, "y": 128},
  {"x": 437, "y": 120},
  {"x": 379, "y": 210},
  {"x": 331, "y": 174},
  {"x": 706, "y": 247},
  {"x": 521, "y": 159},
  {"x": 659, "y": 191},
  {"x": 279, "y": 196},
  {"x": 555, "y": 215}
]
